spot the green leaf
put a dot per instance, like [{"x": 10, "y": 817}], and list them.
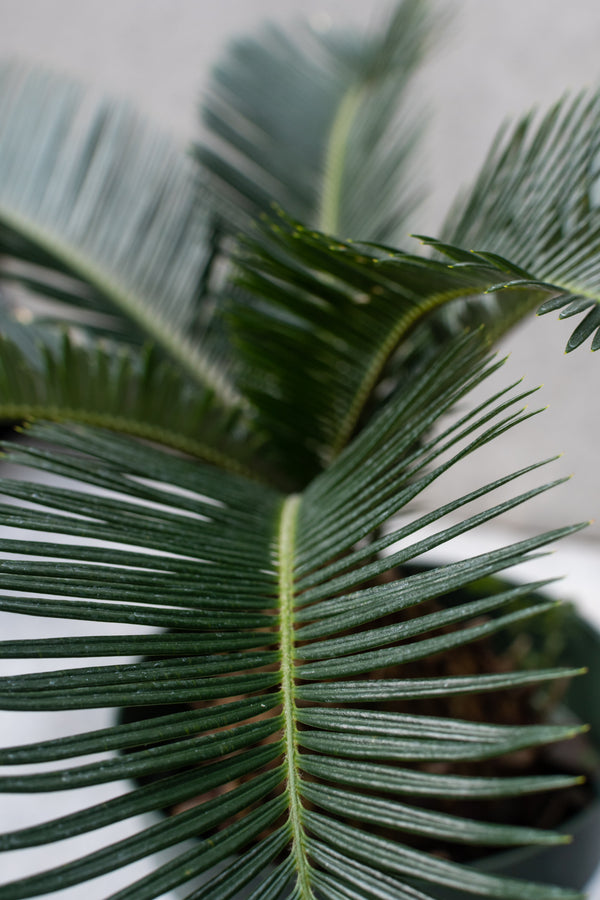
[
  {"x": 237, "y": 875},
  {"x": 274, "y": 761},
  {"x": 535, "y": 203},
  {"x": 404, "y": 861},
  {"x": 326, "y": 318},
  {"x": 319, "y": 124},
  {"x": 165, "y": 792},
  {"x": 410, "y": 819},
  {"x": 349, "y": 880},
  {"x": 111, "y": 216},
  {"x": 187, "y": 865},
  {"x": 154, "y": 731},
  {"x": 396, "y": 780},
  {"x": 191, "y": 823},
  {"x": 133, "y": 391},
  {"x": 333, "y": 326}
]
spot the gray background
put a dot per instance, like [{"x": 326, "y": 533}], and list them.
[{"x": 497, "y": 59}]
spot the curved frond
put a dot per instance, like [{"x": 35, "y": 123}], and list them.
[
  {"x": 319, "y": 125},
  {"x": 322, "y": 326},
  {"x": 535, "y": 203},
  {"x": 46, "y": 375},
  {"x": 278, "y": 748},
  {"x": 99, "y": 213}
]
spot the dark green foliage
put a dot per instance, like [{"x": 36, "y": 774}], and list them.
[
  {"x": 71, "y": 167},
  {"x": 220, "y": 567},
  {"x": 262, "y": 665},
  {"x": 534, "y": 210},
  {"x": 324, "y": 311},
  {"x": 327, "y": 134}
]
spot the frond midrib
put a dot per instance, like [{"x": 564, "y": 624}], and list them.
[
  {"x": 22, "y": 412},
  {"x": 335, "y": 159},
  {"x": 568, "y": 287},
  {"x": 375, "y": 368},
  {"x": 286, "y": 542},
  {"x": 176, "y": 345}
]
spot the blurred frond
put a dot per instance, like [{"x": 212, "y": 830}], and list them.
[{"x": 321, "y": 124}]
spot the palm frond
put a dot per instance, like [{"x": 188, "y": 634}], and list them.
[
  {"x": 47, "y": 375},
  {"x": 319, "y": 125},
  {"x": 102, "y": 214},
  {"x": 318, "y": 337},
  {"x": 273, "y": 606},
  {"x": 535, "y": 203}
]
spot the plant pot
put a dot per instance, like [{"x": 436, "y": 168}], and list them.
[{"x": 568, "y": 865}]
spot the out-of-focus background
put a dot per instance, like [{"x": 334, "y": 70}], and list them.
[{"x": 494, "y": 60}]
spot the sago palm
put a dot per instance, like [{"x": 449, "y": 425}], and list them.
[{"x": 244, "y": 383}]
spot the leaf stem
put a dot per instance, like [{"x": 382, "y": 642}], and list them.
[
  {"x": 379, "y": 359},
  {"x": 128, "y": 303},
  {"x": 286, "y": 554},
  {"x": 335, "y": 159},
  {"x": 24, "y": 412}
]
